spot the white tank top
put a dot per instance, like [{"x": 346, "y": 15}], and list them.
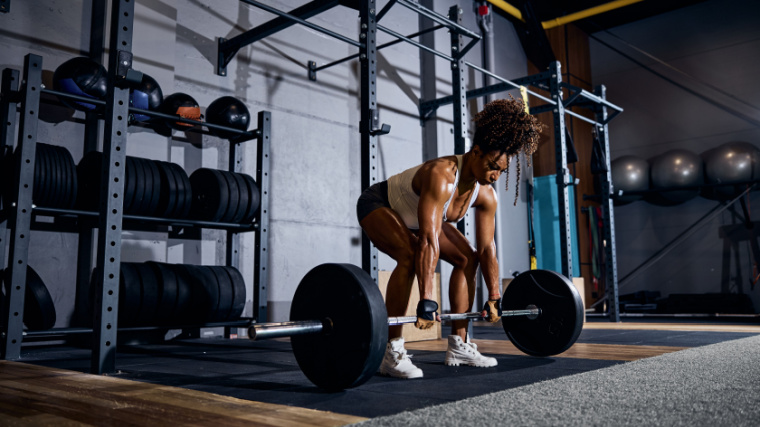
[{"x": 405, "y": 201}]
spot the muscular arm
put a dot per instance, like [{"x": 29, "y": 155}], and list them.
[
  {"x": 485, "y": 217},
  {"x": 435, "y": 189}
]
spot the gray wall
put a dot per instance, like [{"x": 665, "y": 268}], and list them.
[
  {"x": 315, "y": 145},
  {"x": 714, "y": 47}
]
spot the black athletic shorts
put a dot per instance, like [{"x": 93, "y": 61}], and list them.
[{"x": 374, "y": 197}]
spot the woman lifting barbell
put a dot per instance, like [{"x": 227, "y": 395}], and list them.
[{"x": 410, "y": 217}]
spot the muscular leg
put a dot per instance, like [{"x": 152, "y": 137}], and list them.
[
  {"x": 456, "y": 250},
  {"x": 388, "y": 232}
]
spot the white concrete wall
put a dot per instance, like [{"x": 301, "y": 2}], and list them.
[
  {"x": 315, "y": 125},
  {"x": 716, "y": 43}
]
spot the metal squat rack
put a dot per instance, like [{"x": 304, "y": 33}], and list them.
[
  {"x": 20, "y": 215},
  {"x": 550, "y": 80}
]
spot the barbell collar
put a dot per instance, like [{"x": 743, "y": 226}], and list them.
[{"x": 264, "y": 331}]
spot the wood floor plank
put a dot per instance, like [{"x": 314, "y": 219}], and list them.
[
  {"x": 577, "y": 351},
  {"x": 60, "y": 397}
]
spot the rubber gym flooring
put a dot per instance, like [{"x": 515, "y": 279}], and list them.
[{"x": 225, "y": 382}]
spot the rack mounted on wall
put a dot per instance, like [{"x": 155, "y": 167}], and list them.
[{"x": 21, "y": 216}]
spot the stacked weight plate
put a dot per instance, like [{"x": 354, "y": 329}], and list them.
[
  {"x": 223, "y": 196},
  {"x": 151, "y": 188},
  {"x": 55, "y": 177},
  {"x": 160, "y": 294},
  {"x": 39, "y": 310}
]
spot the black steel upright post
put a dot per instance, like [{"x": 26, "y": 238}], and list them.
[
  {"x": 563, "y": 174},
  {"x": 7, "y": 127},
  {"x": 368, "y": 90},
  {"x": 608, "y": 211},
  {"x": 21, "y": 214},
  {"x": 106, "y": 306},
  {"x": 460, "y": 100},
  {"x": 91, "y": 134},
  {"x": 261, "y": 274}
]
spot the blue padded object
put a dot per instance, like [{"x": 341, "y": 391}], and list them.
[
  {"x": 546, "y": 225},
  {"x": 68, "y": 85},
  {"x": 139, "y": 99}
]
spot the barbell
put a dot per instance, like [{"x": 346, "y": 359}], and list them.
[{"x": 338, "y": 324}]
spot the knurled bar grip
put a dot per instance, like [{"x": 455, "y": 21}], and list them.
[{"x": 262, "y": 331}]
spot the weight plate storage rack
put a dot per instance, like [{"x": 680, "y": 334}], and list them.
[{"x": 19, "y": 214}]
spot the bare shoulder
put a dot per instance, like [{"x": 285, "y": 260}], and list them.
[
  {"x": 436, "y": 175},
  {"x": 487, "y": 198}
]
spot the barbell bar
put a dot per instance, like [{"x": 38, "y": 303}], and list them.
[
  {"x": 338, "y": 324},
  {"x": 264, "y": 331}
]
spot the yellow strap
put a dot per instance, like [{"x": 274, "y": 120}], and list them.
[
  {"x": 524, "y": 94},
  {"x": 533, "y": 263}
]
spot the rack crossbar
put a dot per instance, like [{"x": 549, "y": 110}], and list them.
[
  {"x": 513, "y": 84},
  {"x": 580, "y": 92},
  {"x": 419, "y": 45},
  {"x": 380, "y": 47},
  {"x": 303, "y": 22},
  {"x": 422, "y": 10},
  {"x": 280, "y": 23}
]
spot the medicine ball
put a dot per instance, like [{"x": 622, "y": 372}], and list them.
[
  {"x": 182, "y": 105},
  {"x": 674, "y": 169},
  {"x": 731, "y": 162},
  {"x": 629, "y": 173},
  {"x": 230, "y": 112},
  {"x": 147, "y": 96},
  {"x": 84, "y": 77}
]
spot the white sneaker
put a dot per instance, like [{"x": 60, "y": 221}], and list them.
[
  {"x": 397, "y": 363},
  {"x": 466, "y": 353}
]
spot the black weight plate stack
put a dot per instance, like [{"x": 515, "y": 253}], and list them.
[
  {"x": 350, "y": 351},
  {"x": 210, "y": 194},
  {"x": 254, "y": 198},
  {"x": 154, "y": 180},
  {"x": 561, "y": 319},
  {"x": 69, "y": 178},
  {"x": 88, "y": 178},
  {"x": 243, "y": 198},
  {"x": 41, "y": 176},
  {"x": 57, "y": 173},
  {"x": 167, "y": 204},
  {"x": 167, "y": 289},
  {"x": 226, "y": 293},
  {"x": 183, "y": 313},
  {"x": 150, "y": 295},
  {"x": 142, "y": 198},
  {"x": 233, "y": 197},
  {"x": 39, "y": 310},
  {"x": 238, "y": 293},
  {"x": 44, "y": 197},
  {"x": 129, "y": 184},
  {"x": 130, "y": 295},
  {"x": 205, "y": 293},
  {"x": 184, "y": 190}
]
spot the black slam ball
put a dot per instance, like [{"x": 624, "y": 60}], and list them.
[
  {"x": 147, "y": 96},
  {"x": 230, "y": 112},
  {"x": 84, "y": 77}
]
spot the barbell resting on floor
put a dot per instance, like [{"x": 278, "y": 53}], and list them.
[
  {"x": 339, "y": 326},
  {"x": 264, "y": 331}
]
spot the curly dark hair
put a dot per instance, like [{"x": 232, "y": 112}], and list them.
[{"x": 504, "y": 126}]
